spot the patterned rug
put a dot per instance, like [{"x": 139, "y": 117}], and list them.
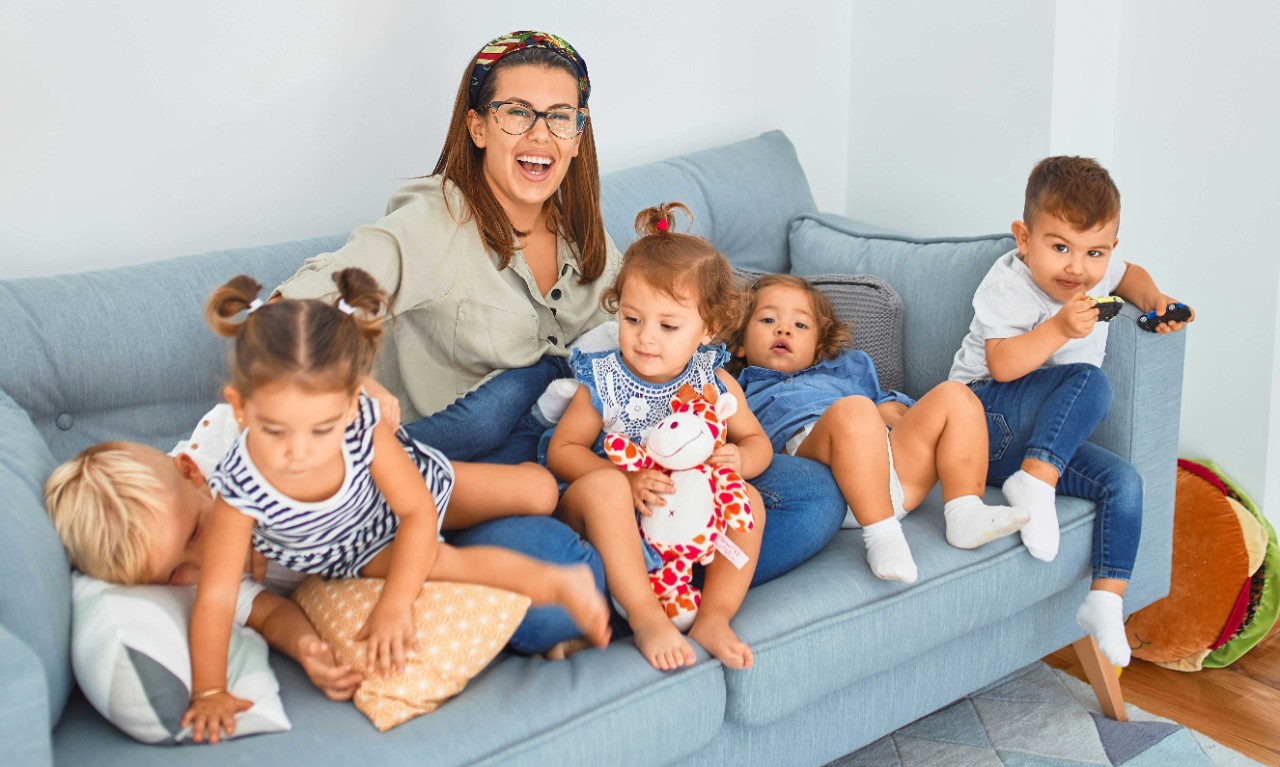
[{"x": 1041, "y": 717}]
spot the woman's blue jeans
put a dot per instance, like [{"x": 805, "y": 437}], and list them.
[
  {"x": 1047, "y": 415},
  {"x": 496, "y": 424}
]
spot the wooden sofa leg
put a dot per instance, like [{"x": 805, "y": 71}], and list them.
[{"x": 1103, "y": 678}]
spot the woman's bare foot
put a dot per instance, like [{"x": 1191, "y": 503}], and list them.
[
  {"x": 576, "y": 592},
  {"x": 661, "y": 643},
  {"x": 714, "y": 634},
  {"x": 566, "y": 648}
]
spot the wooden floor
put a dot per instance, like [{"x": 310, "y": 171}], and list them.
[{"x": 1238, "y": 706}]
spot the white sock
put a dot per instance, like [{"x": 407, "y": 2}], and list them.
[
  {"x": 971, "y": 523},
  {"x": 1102, "y": 615},
  {"x": 1040, "y": 533},
  {"x": 552, "y": 403},
  {"x": 887, "y": 551}
]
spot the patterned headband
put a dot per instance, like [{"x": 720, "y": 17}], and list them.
[{"x": 516, "y": 41}]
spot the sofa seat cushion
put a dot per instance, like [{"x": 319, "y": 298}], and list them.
[
  {"x": 830, "y": 622},
  {"x": 597, "y": 707},
  {"x": 39, "y": 611},
  {"x": 936, "y": 278},
  {"x": 723, "y": 187}
]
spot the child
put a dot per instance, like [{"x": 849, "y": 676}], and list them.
[
  {"x": 321, "y": 485},
  {"x": 819, "y": 400},
  {"x": 130, "y": 514},
  {"x": 1033, "y": 356},
  {"x": 673, "y": 293}
]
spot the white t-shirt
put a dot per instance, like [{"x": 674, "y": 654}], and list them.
[
  {"x": 213, "y": 437},
  {"x": 1008, "y": 303}
]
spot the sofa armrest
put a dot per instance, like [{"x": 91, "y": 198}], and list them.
[
  {"x": 24, "y": 709},
  {"x": 1146, "y": 375}
]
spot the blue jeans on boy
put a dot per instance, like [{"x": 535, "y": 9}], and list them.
[{"x": 1047, "y": 415}]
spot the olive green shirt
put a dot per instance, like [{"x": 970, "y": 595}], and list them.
[{"x": 458, "y": 319}]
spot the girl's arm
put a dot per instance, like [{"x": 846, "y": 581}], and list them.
[
  {"x": 748, "y": 451},
  {"x": 286, "y": 628},
  {"x": 1011, "y": 358},
  {"x": 569, "y": 454},
  {"x": 213, "y": 709},
  {"x": 407, "y": 562},
  {"x": 1138, "y": 288}
]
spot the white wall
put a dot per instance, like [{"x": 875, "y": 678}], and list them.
[
  {"x": 1176, "y": 97},
  {"x": 948, "y": 111},
  {"x": 148, "y": 129}
]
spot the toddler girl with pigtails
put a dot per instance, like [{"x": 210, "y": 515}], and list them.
[
  {"x": 673, "y": 294},
  {"x": 319, "y": 483}
]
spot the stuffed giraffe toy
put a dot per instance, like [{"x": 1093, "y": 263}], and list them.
[{"x": 708, "y": 500}]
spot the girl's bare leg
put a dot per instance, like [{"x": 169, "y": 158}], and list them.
[
  {"x": 944, "y": 436},
  {"x": 850, "y": 438},
  {"x": 723, "y": 590},
  {"x": 598, "y": 506},
  {"x": 484, "y": 491},
  {"x": 573, "y": 588}
]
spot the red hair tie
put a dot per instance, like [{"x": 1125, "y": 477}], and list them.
[{"x": 663, "y": 225}]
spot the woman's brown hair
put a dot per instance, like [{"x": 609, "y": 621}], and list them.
[
  {"x": 834, "y": 334},
  {"x": 574, "y": 209},
  {"x": 310, "y": 343},
  {"x": 680, "y": 265}
]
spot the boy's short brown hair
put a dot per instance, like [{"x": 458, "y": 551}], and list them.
[
  {"x": 1075, "y": 189},
  {"x": 105, "y": 504}
]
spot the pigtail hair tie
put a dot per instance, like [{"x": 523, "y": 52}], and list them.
[
  {"x": 345, "y": 307},
  {"x": 254, "y": 306},
  {"x": 662, "y": 225}
]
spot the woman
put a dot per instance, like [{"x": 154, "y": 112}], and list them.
[{"x": 496, "y": 263}]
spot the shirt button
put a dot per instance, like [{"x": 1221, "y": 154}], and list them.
[
  {"x": 552, "y": 340},
  {"x": 564, "y": 270},
  {"x": 555, "y": 294},
  {"x": 553, "y": 311}
]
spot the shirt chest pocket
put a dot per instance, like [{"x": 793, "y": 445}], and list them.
[{"x": 491, "y": 338}]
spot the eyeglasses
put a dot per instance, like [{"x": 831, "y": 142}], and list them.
[{"x": 516, "y": 118}]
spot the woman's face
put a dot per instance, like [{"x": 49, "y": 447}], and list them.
[{"x": 524, "y": 171}]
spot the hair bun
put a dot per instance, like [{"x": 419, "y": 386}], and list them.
[{"x": 660, "y": 219}]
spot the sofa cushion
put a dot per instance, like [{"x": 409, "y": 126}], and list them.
[
  {"x": 936, "y": 278},
  {"x": 38, "y": 612},
  {"x": 74, "y": 345},
  {"x": 723, "y": 187},
  {"x": 806, "y": 648},
  {"x": 131, "y": 658}
]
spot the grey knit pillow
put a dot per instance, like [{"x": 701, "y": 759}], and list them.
[{"x": 873, "y": 309}]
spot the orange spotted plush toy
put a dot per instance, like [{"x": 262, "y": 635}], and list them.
[{"x": 708, "y": 500}]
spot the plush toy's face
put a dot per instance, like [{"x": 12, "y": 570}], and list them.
[{"x": 682, "y": 441}]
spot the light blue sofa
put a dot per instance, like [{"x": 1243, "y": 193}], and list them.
[{"x": 841, "y": 657}]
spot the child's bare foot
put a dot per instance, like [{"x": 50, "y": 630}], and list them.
[
  {"x": 566, "y": 648},
  {"x": 661, "y": 643},
  {"x": 576, "y": 592},
  {"x": 715, "y": 635}
]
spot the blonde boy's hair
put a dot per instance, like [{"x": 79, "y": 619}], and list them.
[{"x": 106, "y": 505}]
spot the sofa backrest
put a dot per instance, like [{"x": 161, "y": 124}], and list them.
[{"x": 742, "y": 195}]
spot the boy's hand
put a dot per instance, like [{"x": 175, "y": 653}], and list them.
[
  {"x": 388, "y": 405},
  {"x": 647, "y": 485},
  {"x": 1161, "y": 306},
  {"x": 389, "y": 636},
  {"x": 1077, "y": 317},
  {"x": 727, "y": 455},
  {"x": 211, "y": 716},
  {"x": 336, "y": 682}
]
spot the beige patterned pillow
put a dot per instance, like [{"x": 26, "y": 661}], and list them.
[{"x": 461, "y": 627}]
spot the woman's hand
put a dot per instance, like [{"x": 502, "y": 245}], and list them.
[
  {"x": 389, "y": 637},
  {"x": 647, "y": 487},
  {"x": 337, "y": 682},
  {"x": 388, "y": 405},
  {"x": 727, "y": 455},
  {"x": 212, "y": 715}
]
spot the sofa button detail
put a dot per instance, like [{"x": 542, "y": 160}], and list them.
[{"x": 65, "y": 421}]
